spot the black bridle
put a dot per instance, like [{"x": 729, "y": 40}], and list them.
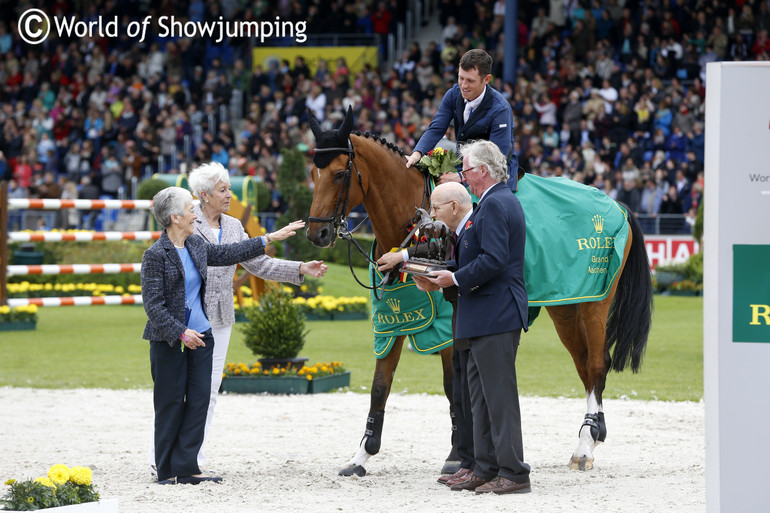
[{"x": 339, "y": 218}]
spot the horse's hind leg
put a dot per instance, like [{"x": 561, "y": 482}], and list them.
[
  {"x": 593, "y": 431},
  {"x": 581, "y": 329},
  {"x": 384, "y": 370}
]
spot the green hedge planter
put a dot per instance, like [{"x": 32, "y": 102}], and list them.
[
  {"x": 18, "y": 326},
  {"x": 284, "y": 385}
]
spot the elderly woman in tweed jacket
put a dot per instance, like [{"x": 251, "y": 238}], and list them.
[
  {"x": 174, "y": 275},
  {"x": 211, "y": 184}
]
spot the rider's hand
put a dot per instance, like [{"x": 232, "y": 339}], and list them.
[{"x": 413, "y": 158}]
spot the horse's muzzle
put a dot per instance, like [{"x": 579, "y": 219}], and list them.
[{"x": 322, "y": 235}]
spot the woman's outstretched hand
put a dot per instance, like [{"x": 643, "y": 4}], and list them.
[
  {"x": 314, "y": 268},
  {"x": 287, "y": 231}
]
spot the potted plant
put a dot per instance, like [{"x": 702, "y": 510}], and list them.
[
  {"x": 18, "y": 318},
  {"x": 321, "y": 377},
  {"x": 275, "y": 330},
  {"x": 668, "y": 274}
]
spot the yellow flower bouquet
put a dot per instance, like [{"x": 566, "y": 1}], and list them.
[
  {"x": 61, "y": 486},
  {"x": 439, "y": 161}
]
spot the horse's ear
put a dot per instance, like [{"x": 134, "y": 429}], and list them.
[
  {"x": 313, "y": 122},
  {"x": 347, "y": 123}
]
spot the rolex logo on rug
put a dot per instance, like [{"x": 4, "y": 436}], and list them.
[
  {"x": 598, "y": 222},
  {"x": 394, "y": 305}
]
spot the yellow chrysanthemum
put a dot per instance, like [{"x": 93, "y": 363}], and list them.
[
  {"x": 45, "y": 482},
  {"x": 10, "y": 482},
  {"x": 81, "y": 475},
  {"x": 59, "y": 474}
]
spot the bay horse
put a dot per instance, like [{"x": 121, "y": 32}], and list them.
[{"x": 351, "y": 168}]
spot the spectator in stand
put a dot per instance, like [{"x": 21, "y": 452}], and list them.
[{"x": 761, "y": 47}]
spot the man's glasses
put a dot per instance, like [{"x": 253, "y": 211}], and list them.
[{"x": 434, "y": 206}]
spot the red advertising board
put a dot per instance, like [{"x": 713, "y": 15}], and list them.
[{"x": 669, "y": 248}]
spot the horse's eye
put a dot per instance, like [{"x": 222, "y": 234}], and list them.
[{"x": 339, "y": 175}]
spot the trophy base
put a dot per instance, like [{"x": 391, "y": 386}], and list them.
[{"x": 423, "y": 266}]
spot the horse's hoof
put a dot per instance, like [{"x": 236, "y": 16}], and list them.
[
  {"x": 581, "y": 463},
  {"x": 450, "y": 467},
  {"x": 353, "y": 470}
]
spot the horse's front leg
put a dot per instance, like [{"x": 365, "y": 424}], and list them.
[
  {"x": 452, "y": 463},
  {"x": 384, "y": 370}
]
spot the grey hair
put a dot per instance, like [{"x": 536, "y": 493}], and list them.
[
  {"x": 206, "y": 176},
  {"x": 486, "y": 152},
  {"x": 169, "y": 201}
]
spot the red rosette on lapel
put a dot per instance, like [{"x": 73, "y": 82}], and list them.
[{"x": 468, "y": 224}]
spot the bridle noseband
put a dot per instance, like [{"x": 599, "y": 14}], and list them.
[{"x": 339, "y": 218}]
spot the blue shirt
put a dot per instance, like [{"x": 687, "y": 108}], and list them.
[{"x": 192, "y": 294}]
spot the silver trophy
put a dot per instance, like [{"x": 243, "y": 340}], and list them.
[{"x": 429, "y": 255}]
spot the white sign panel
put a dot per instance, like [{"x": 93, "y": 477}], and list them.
[{"x": 736, "y": 248}]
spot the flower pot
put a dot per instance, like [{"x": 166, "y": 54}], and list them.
[
  {"x": 683, "y": 292},
  {"x": 667, "y": 278},
  {"x": 293, "y": 363},
  {"x": 350, "y": 316},
  {"x": 319, "y": 317},
  {"x": 284, "y": 384},
  {"x": 337, "y": 316},
  {"x": 265, "y": 384},
  {"x": 103, "y": 506},
  {"x": 18, "y": 326},
  {"x": 327, "y": 383}
]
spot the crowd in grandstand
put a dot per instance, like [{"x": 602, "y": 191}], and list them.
[{"x": 608, "y": 93}]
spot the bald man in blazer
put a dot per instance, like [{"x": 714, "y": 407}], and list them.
[{"x": 491, "y": 312}]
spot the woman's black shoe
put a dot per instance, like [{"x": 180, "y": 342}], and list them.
[{"x": 197, "y": 480}]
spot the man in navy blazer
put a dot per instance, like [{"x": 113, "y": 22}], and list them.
[
  {"x": 478, "y": 112},
  {"x": 491, "y": 312}
]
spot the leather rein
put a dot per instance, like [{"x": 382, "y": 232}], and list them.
[{"x": 339, "y": 218}]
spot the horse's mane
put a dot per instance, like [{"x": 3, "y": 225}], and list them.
[{"x": 381, "y": 140}]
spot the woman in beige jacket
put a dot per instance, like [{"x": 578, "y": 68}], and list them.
[{"x": 211, "y": 184}]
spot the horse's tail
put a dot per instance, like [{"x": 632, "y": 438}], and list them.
[{"x": 630, "y": 315}]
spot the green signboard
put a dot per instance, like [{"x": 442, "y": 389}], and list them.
[{"x": 751, "y": 293}]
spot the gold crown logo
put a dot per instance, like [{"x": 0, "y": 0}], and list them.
[
  {"x": 394, "y": 305},
  {"x": 598, "y": 222}
]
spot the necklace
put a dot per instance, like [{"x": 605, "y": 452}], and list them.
[{"x": 174, "y": 242}]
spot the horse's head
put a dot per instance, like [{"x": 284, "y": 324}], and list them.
[{"x": 338, "y": 186}]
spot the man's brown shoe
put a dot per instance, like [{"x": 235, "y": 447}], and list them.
[
  {"x": 501, "y": 485},
  {"x": 446, "y": 478},
  {"x": 470, "y": 482}
]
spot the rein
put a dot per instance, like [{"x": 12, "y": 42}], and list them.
[{"x": 339, "y": 218}]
